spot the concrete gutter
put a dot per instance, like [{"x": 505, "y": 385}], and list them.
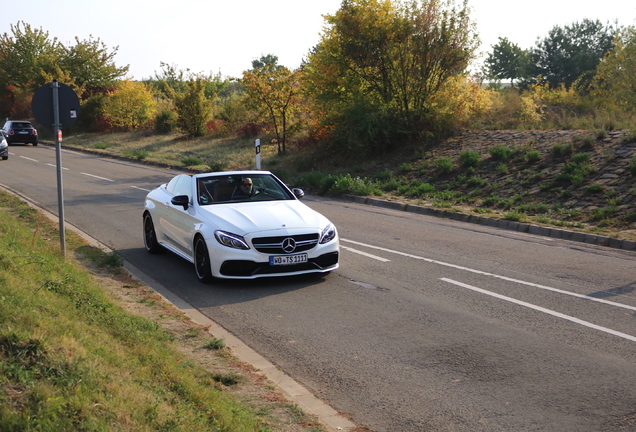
[{"x": 557, "y": 233}]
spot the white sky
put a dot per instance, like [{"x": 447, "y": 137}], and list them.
[{"x": 213, "y": 36}]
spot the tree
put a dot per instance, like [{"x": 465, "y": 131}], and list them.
[
  {"x": 379, "y": 62},
  {"x": 615, "y": 81},
  {"x": 273, "y": 89},
  {"x": 193, "y": 108},
  {"x": 25, "y": 56},
  {"x": 508, "y": 61},
  {"x": 130, "y": 106},
  {"x": 571, "y": 53},
  {"x": 91, "y": 65}
]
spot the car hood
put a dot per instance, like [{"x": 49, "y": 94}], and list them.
[{"x": 247, "y": 218}]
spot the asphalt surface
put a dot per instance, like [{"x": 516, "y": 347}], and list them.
[{"x": 429, "y": 325}]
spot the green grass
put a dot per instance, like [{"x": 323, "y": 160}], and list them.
[{"x": 72, "y": 359}]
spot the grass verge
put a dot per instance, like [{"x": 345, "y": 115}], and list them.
[{"x": 73, "y": 357}]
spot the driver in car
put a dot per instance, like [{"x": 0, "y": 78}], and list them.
[{"x": 246, "y": 189}]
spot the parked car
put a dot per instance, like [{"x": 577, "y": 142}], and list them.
[
  {"x": 20, "y": 131},
  {"x": 239, "y": 225},
  {"x": 4, "y": 148}
]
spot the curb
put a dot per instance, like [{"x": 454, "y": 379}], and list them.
[{"x": 556, "y": 233}]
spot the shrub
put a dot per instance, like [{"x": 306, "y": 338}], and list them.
[
  {"x": 632, "y": 166},
  {"x": 165, "y": 121},
  {"x": 581, "y": 157},
  {"x": 500, "y": 153},
  {"x": 353, "y": 185},
  {"x": 502, "y": 168},
  {"x": 595, "y": 188},
  {"x": 216, "y": 166},
  {"x": 422, "y": 190},
  {"x": 406, "y": 167},
  {"x": 191, "y": 161},
  {"x": 445, "y": 164},
  {"x": 476, "y": 181},
  {"x": 561, "y": 150},
  {"x": 469, "y": 158},
  {"x": 533, "y": 156}
]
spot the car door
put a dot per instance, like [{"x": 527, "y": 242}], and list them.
[{"x": 178, "y": 222}]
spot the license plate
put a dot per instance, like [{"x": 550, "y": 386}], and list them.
[
  {"x": 23, "y": 132},
  {"x": 288, "y": 259}
]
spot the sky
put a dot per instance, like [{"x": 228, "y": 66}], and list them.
[{"x": 213, "y": 36}]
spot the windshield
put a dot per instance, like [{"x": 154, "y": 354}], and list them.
[{"x": 220, "y": 189}]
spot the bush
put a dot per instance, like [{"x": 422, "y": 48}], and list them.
[
  {"x": 500, "y": 153},
  {"x": 533, "y": 156},
  {"x": 165, "y": 121},
  {"x": 191, "y": 161},
  {"x": 422, "y": 190},
  {"x": 445, "y": 164},
  {"x": 595, "y": 188},
  {"x": 561, "y": 150},
  {"x": 632, "y": 166},
  {"x": 356, "y": 186},
  {"x": 469, "y": 158},
  {"x": 581, "y": 157}
]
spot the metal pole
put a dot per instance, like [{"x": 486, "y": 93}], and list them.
[{"x": 57, "y": 128}]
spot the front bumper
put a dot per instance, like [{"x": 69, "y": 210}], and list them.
[
  {"x": 229, "y": 263},
  {"x": 250, "y": 269}
]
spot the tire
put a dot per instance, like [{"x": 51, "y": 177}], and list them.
[
  {"x": 34, "y": 144},
  {"x": 5, "y": 157},
  {"x": 150, "y": 236},
  {"x": 202, "y": 263}
]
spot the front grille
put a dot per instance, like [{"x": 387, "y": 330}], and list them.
[{"x": 274, "y": 245}]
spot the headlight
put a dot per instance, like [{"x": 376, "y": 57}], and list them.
[
  {"x": 231, "y": 240},
  {"x": 3, "y": 143},
  {"x": 328, "y": 234}
]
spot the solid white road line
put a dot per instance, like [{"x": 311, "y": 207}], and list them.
[
  {"x": 544, "y": 310},
  {"x": 518, "y": 281}
]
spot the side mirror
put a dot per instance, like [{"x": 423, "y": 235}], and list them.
[
  {"x": 181, "y": 200},
  {"x": 298, "y": 193}
]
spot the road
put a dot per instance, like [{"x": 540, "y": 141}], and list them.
[{"x": 429, "y": 324}]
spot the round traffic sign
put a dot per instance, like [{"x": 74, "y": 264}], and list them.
[{"x": 43, "y": 108}]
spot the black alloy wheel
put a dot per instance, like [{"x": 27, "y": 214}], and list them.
[
  {"x": 202, "y": 263},
  {"x": 150, "y": 236}
]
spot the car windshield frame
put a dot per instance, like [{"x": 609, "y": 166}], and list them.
[{"x": 226, "y": 189}]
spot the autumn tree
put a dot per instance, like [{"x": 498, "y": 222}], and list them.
[
  {"x": 26, "y": 53},
  {"x": 615, "y": 81},
  {"x": 91, "y": 64},
  {"x": 130, "y": 106},
  {"x": 29, "y": 58},
  {"x": 379, "y": 62},
  {"x": 273, "y": 89}
]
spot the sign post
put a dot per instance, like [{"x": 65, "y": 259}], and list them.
[
  {"x": 55, "y": 106},
  {"x": 258, "y": 154}
]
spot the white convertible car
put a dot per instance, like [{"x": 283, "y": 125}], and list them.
[{"x": 239, "y": 225}]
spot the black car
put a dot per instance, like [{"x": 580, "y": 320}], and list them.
[{"x": 20, "y": 131}]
